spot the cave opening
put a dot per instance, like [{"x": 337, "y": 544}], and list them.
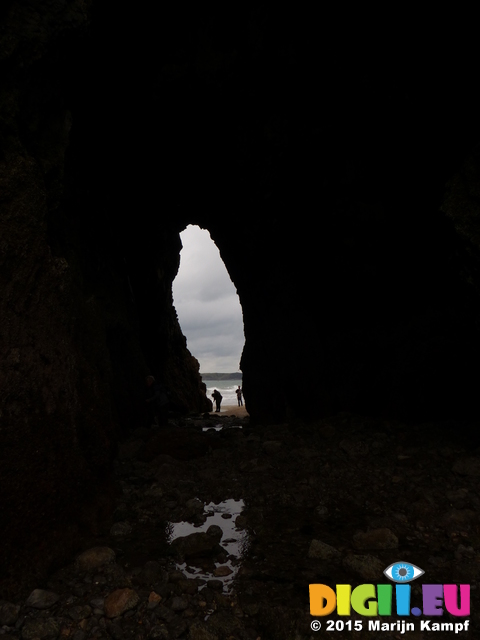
[{"x": 209, "y": 311}]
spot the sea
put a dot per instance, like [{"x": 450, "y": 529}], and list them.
[{"x": 227, "y": 389}]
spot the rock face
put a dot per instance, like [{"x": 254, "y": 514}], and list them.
[{"x": 320, "y": 181}]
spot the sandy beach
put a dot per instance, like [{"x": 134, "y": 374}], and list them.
[{"x": 232, "y": 410}]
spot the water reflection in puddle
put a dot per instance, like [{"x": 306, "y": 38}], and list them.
[
  {"x": 219, "y": 427},
  {"x": 234, "y": 541}
]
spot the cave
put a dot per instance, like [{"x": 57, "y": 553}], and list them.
[{"x": 336, "y": 169}]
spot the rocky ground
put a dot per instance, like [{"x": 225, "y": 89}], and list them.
[{"x": 221, "y": 526}]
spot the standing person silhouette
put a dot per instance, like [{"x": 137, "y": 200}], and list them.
[
  {"x": 239, "y": 396},
  {"x": 217, "y": 396}
]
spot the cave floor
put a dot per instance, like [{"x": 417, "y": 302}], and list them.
[{"x": 334, "y": 502}]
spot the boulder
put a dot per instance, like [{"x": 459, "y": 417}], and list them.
[
  {"x": 95, "y": 558},
  {"x": 198, "y": 543}
]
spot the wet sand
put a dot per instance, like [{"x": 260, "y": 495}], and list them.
[{"x": 232, "y": 410}]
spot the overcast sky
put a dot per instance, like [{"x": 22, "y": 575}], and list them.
[{"x": 207, "y": 304}]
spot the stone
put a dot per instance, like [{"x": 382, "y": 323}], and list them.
[
  {"x": 321, "y": 512},
  {"x": 152, "y": 573},
  {"x": 121, "y": 529},
  {"x": 271, "y": 447},
  {"x": 222, "y": 571},
  {"x": 366, "y": 566},
  {"x": 188, "y": 586},
  {"x": 177, "y": 626},
  {"x": 216, "y": 585},
  {"x": 377, "y": 539},
  {"x": 8, "y": 614},
  {"x": 467, "y": 467},
  {"x": 354, "y": 448},
  {"x": 80, "y": 612},
  {"x": 159, "y": 632},
  {"x": 97, "y": 603},
  {"x": 114, "y": 630},
  {"x": 155, "y": 491},
  {"x": 457, "y": 498},
  {"x": 40, "y": 628},
  {"x": 95, "y": 558},
  {"x": 153, "y": 599},
  {"x": 199, "y": 631},
  {"x": 194, "y": 506},
  {"x": 178, "y": 603},
  {"x": 328, "y": 431},
  {"x": 322, "y": 551},
  {"x": 240, "y": 522},
  {"x": 458, "y": 517},
  {"x": 41, "y": 599},
  {"x": 119, "y": 601},
  {"x": 198, "y": 543},
  {"x": 130, "y": 449},
  {"x": 176, "y": 576}
]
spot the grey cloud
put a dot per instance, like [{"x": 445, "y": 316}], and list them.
[{"x": 207, "y": 305}]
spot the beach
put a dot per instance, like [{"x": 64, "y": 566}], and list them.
[{"x": 231, "y": 410}]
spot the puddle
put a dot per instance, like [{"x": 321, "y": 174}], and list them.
[
  {"x": 234, "y": 541},
  {"x": 217, "y": 427}
]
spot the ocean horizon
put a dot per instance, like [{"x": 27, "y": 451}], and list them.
[{"x": 226, "y": 387}]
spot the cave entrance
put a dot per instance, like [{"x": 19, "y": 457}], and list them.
[{"x": 209, "y": 313}]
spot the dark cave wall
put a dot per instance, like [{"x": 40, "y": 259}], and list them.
[
  {"x": 316, "y": 154},
  {"x": 86, "y": 306}
]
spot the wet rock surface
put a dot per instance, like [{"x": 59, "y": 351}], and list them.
[{"x": 222, "y": 543}]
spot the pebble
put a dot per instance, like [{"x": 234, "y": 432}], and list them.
[
  {"x": 119, "y": 601},
  {"x": 121, "y": 529},
  {"x": 199, "y": 631},
  {"x": 41, "y": 599},
  {"x": 159, "y": 632},
  {"x": 40, "y": 628},
  {"x": 321, "y": 511},
  {"x": 322, "y": 551},
  {"x": 376, "y": 539},
  {"x": 271, "y": 447},
  {"x": 366, "y": 566},
  {"x": 8, "y": 614},
  {"x": 152, "y": 573},
  {"x": 95, "y": 558},
  {"x": 355, "y": 448},
  {"x": 153, "y": 599},
  {"x": 80, "y": 612},
  {"x": 216, "y": 585},
  {"x": 467, "y": 466},
  {"x": 240, "y": 522},
  {"x": 178, "y": 603}
]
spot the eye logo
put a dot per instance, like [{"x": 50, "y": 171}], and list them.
[{"x": 403, "y": 572}]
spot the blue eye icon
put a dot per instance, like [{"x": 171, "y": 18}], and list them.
[{"x": 403, "y": 572}]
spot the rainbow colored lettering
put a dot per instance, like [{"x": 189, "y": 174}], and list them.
[{"x": 377, "y": 600}]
